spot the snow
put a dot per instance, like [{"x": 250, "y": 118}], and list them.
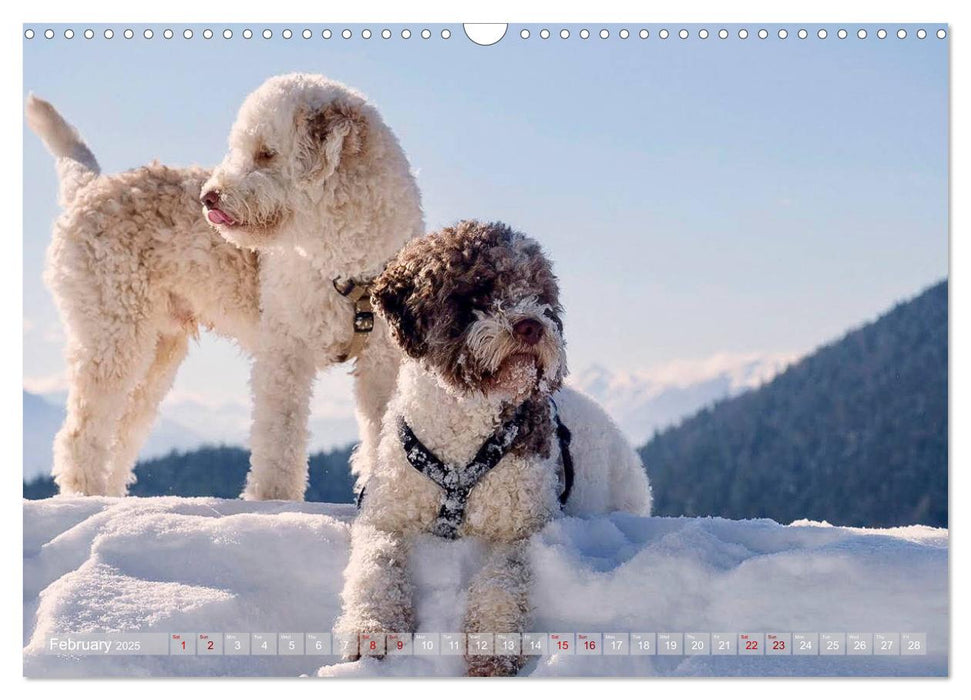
[{"x": 211, "y": 565}]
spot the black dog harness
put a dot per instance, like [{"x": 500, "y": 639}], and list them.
[{"x": 457, "y": 483}]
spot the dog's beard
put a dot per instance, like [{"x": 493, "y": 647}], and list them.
[
  {"x": 517, "y": 378},
  {"x": 256, "y": 206},
  {"x": 509, "y": 367}
]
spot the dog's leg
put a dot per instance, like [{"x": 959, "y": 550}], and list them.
[
  {"x": 170, "y": 351},
  {"x": 101, "y": 375},
  {"x": 498, "y": 601},
  {"x": 282, "y": 381},
  {"x": 378, "y": 592},
  {"x": 375, "y": 375}
]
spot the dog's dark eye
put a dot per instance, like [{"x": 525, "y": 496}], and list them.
[
  {"x": 264, "y": 156},
  {"x": 463, "y": 314},
  {"x": 550, "y": 314}
]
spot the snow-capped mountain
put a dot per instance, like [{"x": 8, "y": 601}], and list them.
[
  {"x": 640, "y": 401},
  {"x": 184, "y": 424},
  {"x": 43, "y": 416},
  {"x": 650, "y": 399}
]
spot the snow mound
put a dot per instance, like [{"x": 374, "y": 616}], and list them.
[{"x": 210, "y": 565}]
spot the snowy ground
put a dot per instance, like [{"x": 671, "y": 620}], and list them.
[{"x": 209, "y": 565}]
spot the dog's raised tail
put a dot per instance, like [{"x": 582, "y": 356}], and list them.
[{"x": 76, "y": 164}]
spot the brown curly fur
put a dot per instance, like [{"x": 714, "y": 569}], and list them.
[
  {"x": 430, "y": 291},
  {"x": 429, "y": 295}
]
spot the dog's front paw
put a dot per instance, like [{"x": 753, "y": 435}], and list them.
[{"x": 494, "y": 665}]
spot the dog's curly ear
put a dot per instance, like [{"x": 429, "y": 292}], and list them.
[
  {"x": 393, "y": 295},
  {"x": 330, "y": 135}
]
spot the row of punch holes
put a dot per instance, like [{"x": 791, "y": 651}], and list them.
[{"x": 489, "y": 37}]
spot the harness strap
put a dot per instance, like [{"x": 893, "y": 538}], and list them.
[
  {"x": 457, "y": 486},
  {"x": 359, "y": 294},
  {"x": 565, "y": 437},
  {"x": 457, "y": 482}
]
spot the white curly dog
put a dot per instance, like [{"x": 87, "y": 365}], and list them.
[
  {"x": 313, "y": 198},
  {"x": 472, "y": 443},
  {"x": 317, "y": 184}
]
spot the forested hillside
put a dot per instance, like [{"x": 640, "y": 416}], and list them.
[{"x": 855, "y": 434}]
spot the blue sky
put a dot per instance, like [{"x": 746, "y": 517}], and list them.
[{"x": 696, "y": 196}]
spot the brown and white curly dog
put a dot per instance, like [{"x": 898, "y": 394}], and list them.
[{"x": 472, "y": 444}]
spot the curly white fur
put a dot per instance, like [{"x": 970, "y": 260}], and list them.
[
  {"x": 318, "y": 184},
  {"x": 507, "y": 506},
  {"x": 134, "y": 271}
]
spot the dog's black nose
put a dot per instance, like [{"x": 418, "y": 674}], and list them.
[
  {"x": 210, "y": 199},
  {"x": 528, "y": 331}
]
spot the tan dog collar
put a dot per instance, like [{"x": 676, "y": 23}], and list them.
[{"x": 359, "y": 293}]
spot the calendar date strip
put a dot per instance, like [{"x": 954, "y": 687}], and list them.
[{"x": 490, "y": 644}]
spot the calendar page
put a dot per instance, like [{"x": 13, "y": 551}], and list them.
[{"x": 603, "y": 349}]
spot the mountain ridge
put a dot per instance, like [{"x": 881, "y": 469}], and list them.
[{"x": 853, "y": 434}]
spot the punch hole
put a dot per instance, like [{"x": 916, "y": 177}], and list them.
[
  {"x": 783, "y": 33},
  {"x": 763, "y": 34},
  {"x": 89, "y": 34},
  {"x": 604, "y": 34},
  {"x": 822, "y": 34},
  {"x": 683, "y": 34},
  {"x": 664, "y": 34},
  {"x": 287, "y": 34},
  {"x": 207, "y": 34},
  {"x": 366, "y": 34},
  {"x": 267, "y": 34},
  {"x": 901, "y": 33},
  {"x": 326, "y": 34},
  {"x": 841, "y": 33},
  {"x": 446, "y": 33},
  {"x": 524, "y": 34},
  {"x": 168, "y": 34},
  {"x": 624, "y": 33},
  {"x": 584, "y": 33},
  {"x": 544, "y": 33},
  {"x": 227, "y": 33},
  {"x": 485, "y": 34},
  {"x": 743, "y": 33},
  {"x": 921, "y": 34},
  {"x": 385, "y": 33},
  {"x": 426, "y": 34},
  {"x": 941, "y": 34},
  {"x": 148, "y": 34},
  {"x": 881, "y": 34},
  {"x": 405, "y": 33},
  {"x": 129, "y": 33},
  {"x": 722, "y": 33},
  {"x": 643, "y": 34},
  {"x": 109, "y": 34},
  {"x": 802, "y": 34},
  {"x": 861, "y": 34},
  {"x": 702, "y": 33},
  {"x": 564, "y": 33},
  {"x": 68, "y": 33},
  {"x": 346, "y": 34},
  {"x": 247, "y": 33},
  {"x": 29, "y": 34}
]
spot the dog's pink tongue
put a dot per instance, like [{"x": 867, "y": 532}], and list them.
[{"x": 218, "y": 216}]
